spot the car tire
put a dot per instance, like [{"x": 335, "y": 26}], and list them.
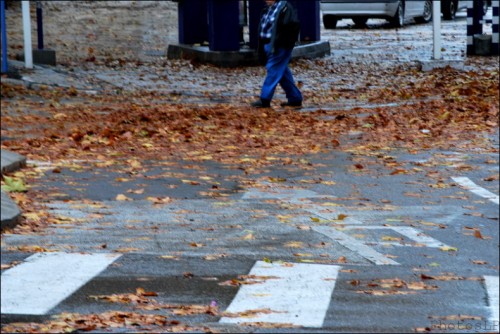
[
  {"x": 485, "y": 7},
  {"x": 360, "y": 21},
  {"x": 399, "y": 17},
  {"x": 427, "y": 14},
  {"x": 329, "y": 21},
  {"x": 449, "y": 9}
]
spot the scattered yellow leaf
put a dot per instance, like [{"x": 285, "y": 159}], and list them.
[{"x": 121, "y": 197}]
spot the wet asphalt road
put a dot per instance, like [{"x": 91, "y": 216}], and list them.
[{"x": 185, "y": 249}]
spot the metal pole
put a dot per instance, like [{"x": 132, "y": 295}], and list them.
[
  {"x": 28, "y": 50},
  {"x": 436, "y": 28},
  {"x": 39, "y": 24},
  {"x": 4, "y": 37}
]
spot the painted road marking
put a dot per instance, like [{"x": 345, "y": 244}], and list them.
[
  {"x": 297, "y": 294},
  {"x": 300, "y": 197},
  {"x": 351, "y": 243},
  {"x": 411, "y": 233},
  {"x": 491, "y": 283},
  {"x": 295, "y": 196},
  {"x": 466, "y": 183},
  {"x": 328, "y": 214},
  {"x": 45, "y": 279}
]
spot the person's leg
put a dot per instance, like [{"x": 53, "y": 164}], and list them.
[
  {"x": 275, "y": 66},
  {"x": 293, "y": 93}
]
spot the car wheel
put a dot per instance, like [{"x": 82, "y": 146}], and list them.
[
  {"x": 360, "y": 21},
  {"x": 449, "y": 9},
  {"x": 329, "y": 21},
  {"x": 485, "y": 7},
  {"x": 427, "y": 14},
  {"x": 399, "y": 17}
]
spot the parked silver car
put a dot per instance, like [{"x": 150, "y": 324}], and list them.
[
  {"x": 449, "y": 8},
  {"x": 395, "y": 11}
]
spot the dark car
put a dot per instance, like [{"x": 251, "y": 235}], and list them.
[{"x": 449, "y": 8}]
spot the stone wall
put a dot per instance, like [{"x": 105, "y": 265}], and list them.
[{"x": 98, "y": 31}]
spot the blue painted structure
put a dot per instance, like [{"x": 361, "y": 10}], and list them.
[
  {"x": 4, "y": 37},
  {"x": 217, "y": 22}
]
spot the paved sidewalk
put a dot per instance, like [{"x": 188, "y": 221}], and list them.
[{"x": 32, "y": 78}]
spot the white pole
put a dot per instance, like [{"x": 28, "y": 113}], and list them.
[
  {"x": 28, "y": 51},
  {"x": 436, "y": 28}
]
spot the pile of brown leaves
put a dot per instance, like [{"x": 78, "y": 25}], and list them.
[{"x": 463, "y": 108}]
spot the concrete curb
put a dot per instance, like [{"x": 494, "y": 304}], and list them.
[
  {"x": 10, "y": 212},
  {"x": 430, "y": 65},
  {"x": 10, "y": 162}
]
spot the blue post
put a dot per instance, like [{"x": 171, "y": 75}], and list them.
[
  {"x": 223, "y": 25},
  {"x": 39, "y": 24},
  {"x": 255, "y": 9},
  {"x": 309, "y": 16},
  {"x": 4, "y": 37},
  {"x": 193, "y": 22}
]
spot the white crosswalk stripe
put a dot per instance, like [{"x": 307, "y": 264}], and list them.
[
  {"x": 297, "y": 294},
  {"x": 305, "y": 295},
  {"x": 45, "y": 279},
  {"x": 474, "y": 188},
  {"x": 491, "y": 283},
  {"x": 351, "y": 243}
]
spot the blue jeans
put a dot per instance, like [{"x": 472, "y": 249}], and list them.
[{"x": 279, "y": 73}]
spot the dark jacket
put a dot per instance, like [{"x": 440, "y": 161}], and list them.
[{"x": 286, "y": 29}]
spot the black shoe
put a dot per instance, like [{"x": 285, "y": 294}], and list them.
[
  {"x": 261, "y": 104},
  {"x": 297, "y": 104}
]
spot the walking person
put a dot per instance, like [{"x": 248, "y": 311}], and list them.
[{"x": 278, "y": 31}]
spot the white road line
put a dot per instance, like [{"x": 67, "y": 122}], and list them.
[
  {"x": 320, "y": 211},
  {"x": 418, "y": 236},
  {"x": 491, "y": 283},
  {"x": 354, "y": 245},
  {"x": 299, "y": 197},
  {"x": 297, "y": 294},
  {"x": 294, "y": 196},
  {"x": 40, "y": 283},
  {"x": 466, "y": 183},
  {"x": 409, "y": 232}
]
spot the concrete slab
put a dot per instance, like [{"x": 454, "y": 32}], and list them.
[
  {"x": 45, "y": 57},
  {"x": 243, "y": 57},
  {"x": 41, "y": 57}
]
